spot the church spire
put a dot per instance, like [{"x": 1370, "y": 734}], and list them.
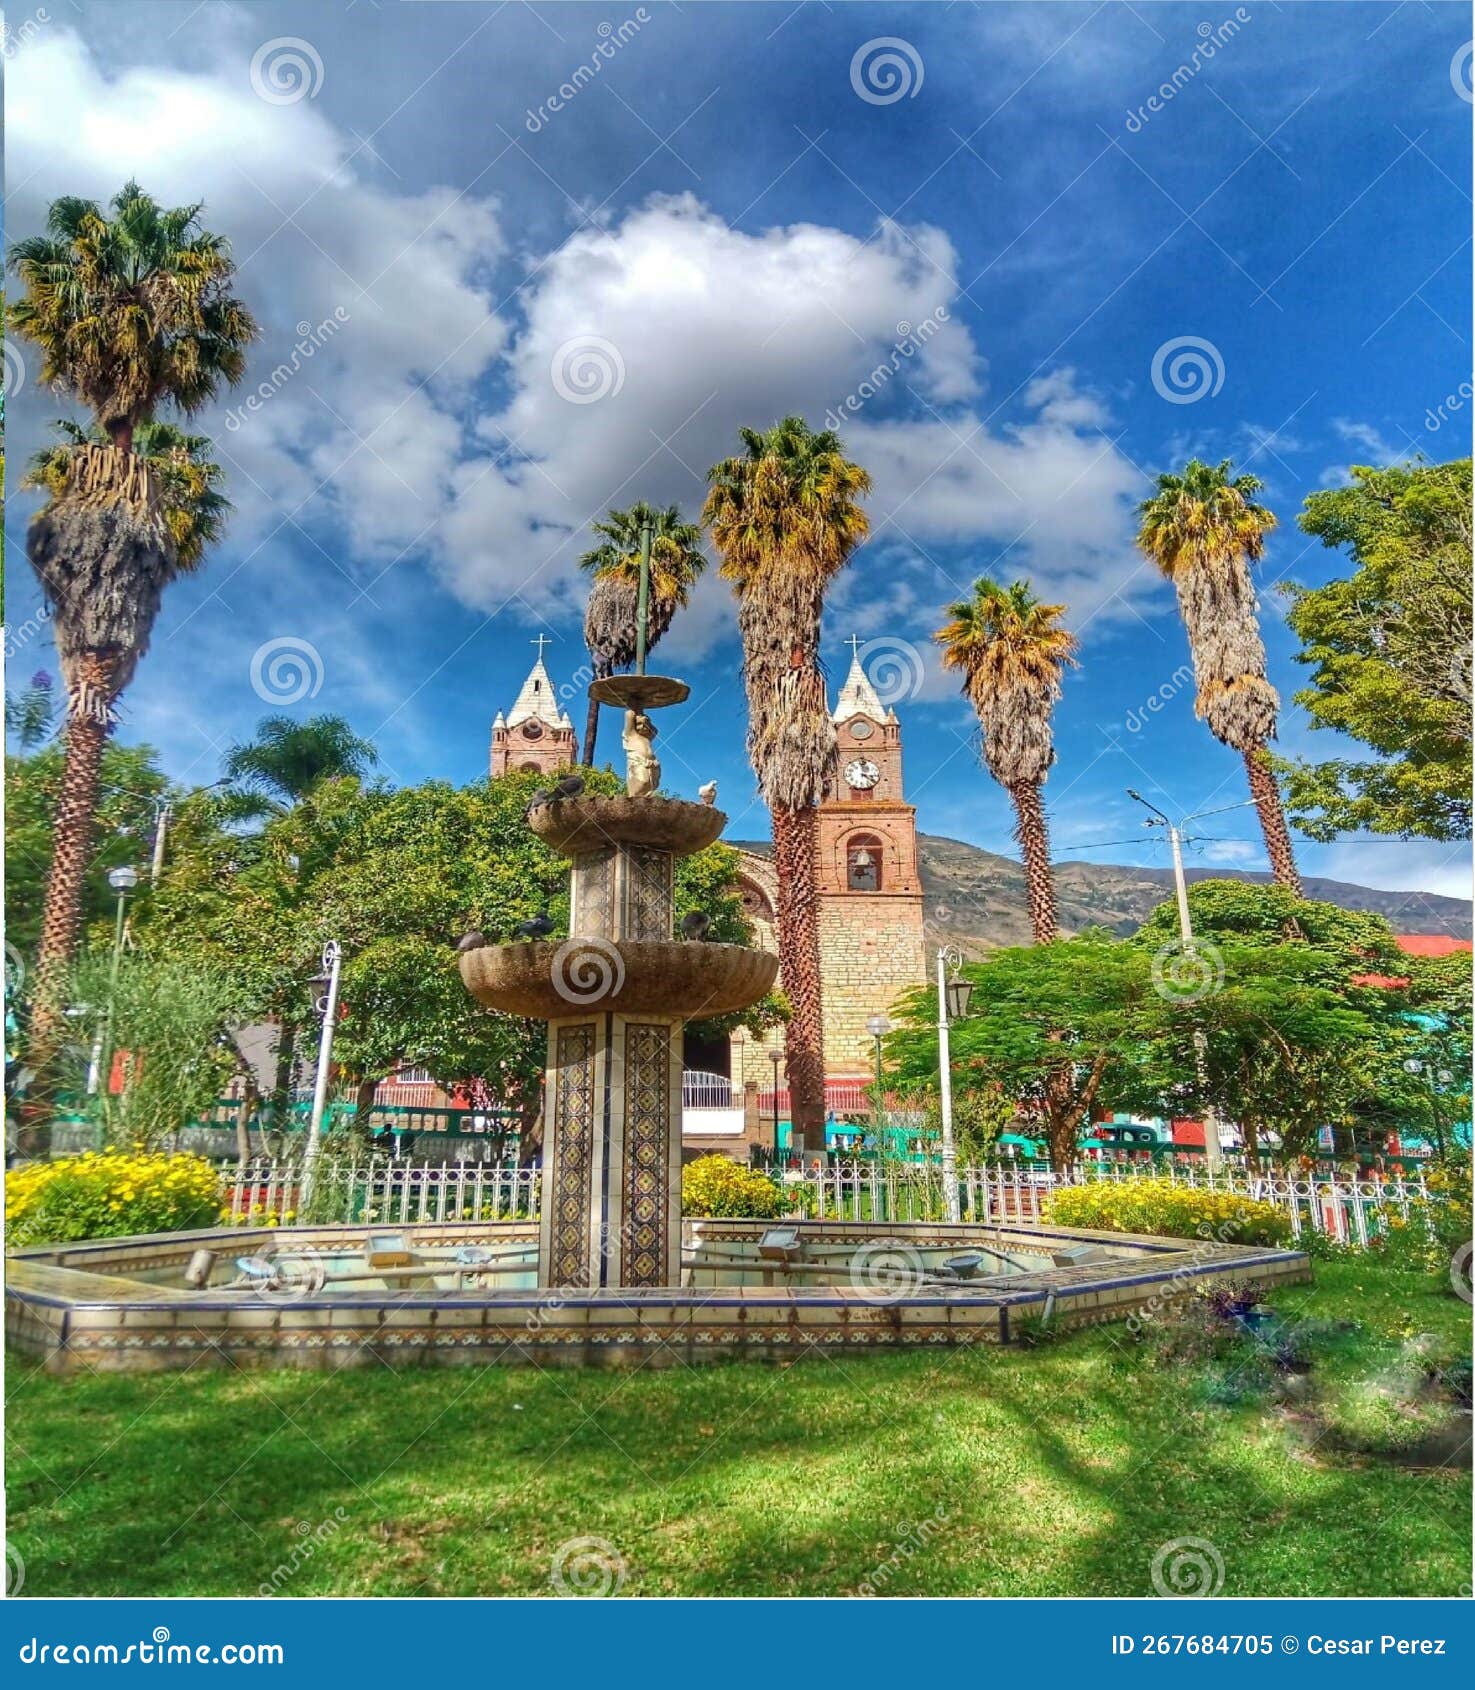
[{"x": 858, "y": 696}]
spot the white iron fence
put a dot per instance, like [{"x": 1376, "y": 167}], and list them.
[
  {"x": 1352, "y": 1211},
  {"x": 270, "y": 1193}
]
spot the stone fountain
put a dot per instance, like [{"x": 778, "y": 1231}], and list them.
[{"x": 616, "y": 995}]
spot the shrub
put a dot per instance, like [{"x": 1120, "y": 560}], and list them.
[
  {"x": 718, "y": 1186},
  {"x": 1160, "y": 1207},
  {"x": 109, "y": 1194}
]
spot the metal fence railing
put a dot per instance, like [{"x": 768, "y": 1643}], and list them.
[{"x": 271, "y": 1193}]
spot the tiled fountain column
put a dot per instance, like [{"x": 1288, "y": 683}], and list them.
[{"x": 611, "y": 1213}]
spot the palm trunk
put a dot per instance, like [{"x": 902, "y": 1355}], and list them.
[
  {"x": 61, "y": 920},
  {"x": 591, "y": 732},
  {"x": 795, "y": 850},
  {"x": 1033, "y": 834},
  {"x": 1266, "y": 795}
]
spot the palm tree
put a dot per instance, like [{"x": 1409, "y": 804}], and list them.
[
  {"x": 1011, "y": 652},
  {"x": 785, "y": 518},
  {"x": 131, "y": 313},
  {"x": 1203, "y": 529},
  {"x": 287, "y": 759},
  {"x": 676, "y": 561}
]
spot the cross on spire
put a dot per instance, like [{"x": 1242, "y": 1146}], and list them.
[
  {"x": 540, "y": 642},
  {"x": 854, "y": 643}
]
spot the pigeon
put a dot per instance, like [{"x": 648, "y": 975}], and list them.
[
  {"x": 539, "y": 798},
  {"x": 708, "y": 793},
  {"x": 538, "y": 928},
  {"x": 569, "y": 787},
  {"x": 472, "y": 941},
  {"x": 696, "y": 925}
]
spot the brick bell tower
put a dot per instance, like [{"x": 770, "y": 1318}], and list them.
[
  {"x": 870, "y": 888},
  {"x": 536, "y": 732}
]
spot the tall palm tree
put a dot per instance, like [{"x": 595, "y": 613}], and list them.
[
  {"x": 1204, "y": 529},
  {"x": 287, "y": 759},
  {"x": 676, "y": 561},
  {"x": 1011, "y": 652},
  {"x": 132, "y": 313},
  {"x": 785, "y": 517}
]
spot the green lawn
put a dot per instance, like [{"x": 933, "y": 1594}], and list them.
[{"x": 1054, "y": 1471}]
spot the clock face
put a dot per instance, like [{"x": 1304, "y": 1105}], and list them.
[
  {"x": 862, "y": 772},
  {"x": 532, "y": 730},
  {"x": 861, "y": 729}
]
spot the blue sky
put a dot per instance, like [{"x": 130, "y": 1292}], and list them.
[{"x": 508, "y": 316}]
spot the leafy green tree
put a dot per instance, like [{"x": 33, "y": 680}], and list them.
[
  {"x": 288, "y": 759},
  {"x": 30, "y": 712},
  {"x": 1390, "y": 649}
]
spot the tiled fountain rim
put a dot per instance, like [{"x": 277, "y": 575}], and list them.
[{"x": 1172, "y": 1259}]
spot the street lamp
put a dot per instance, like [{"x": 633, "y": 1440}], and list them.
[
  {"x": 775, "y": 1057},
  {"x": 327, "y": 1003},
  {"x": 1213, "y": 1154},
  {"x": 878, "y": 1027},
  {"x": 122, "y": 880},
  {"x": 952, "y": 990}
]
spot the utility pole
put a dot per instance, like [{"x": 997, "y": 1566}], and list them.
[
  {"x": 328, "y": 1003},
  {"x": 945, "y": 1076}
]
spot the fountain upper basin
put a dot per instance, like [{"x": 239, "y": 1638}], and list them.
[{"x": 551, "y": 981}]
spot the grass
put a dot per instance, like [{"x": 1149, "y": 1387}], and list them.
[{"x": 1053, "y": 1471}]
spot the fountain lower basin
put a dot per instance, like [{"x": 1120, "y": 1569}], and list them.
[{"x": 123, "y": 1303}]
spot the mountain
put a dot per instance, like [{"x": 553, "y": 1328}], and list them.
[{"x": 975, "y": 899}]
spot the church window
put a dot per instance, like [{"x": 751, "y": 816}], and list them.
[{"x": 863, "y": 863}]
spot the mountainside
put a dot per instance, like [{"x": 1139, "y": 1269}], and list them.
[{"x": 975, "y": 899}]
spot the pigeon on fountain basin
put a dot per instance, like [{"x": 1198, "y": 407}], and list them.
[
  {"x": 569, "y": 787},
  {"x": 538, "y": 928},
  {"x": 696, "y": 925},
  {"x": 472, "y": 941}
]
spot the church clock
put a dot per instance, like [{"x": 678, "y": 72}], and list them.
[{"x": 861, "y": 773}]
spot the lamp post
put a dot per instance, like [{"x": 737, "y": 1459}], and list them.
[
  {"x": 878, "y": 1027},
  {"x": 122, "y": 880},
  {"x": 1433, "y": 1078},
  {"x": 1213, "y": 1151},
  {"x": 952, "y": 1004},
  {"x": 328, "y": 1004},
  {"x": 775, "y": 1057}
]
